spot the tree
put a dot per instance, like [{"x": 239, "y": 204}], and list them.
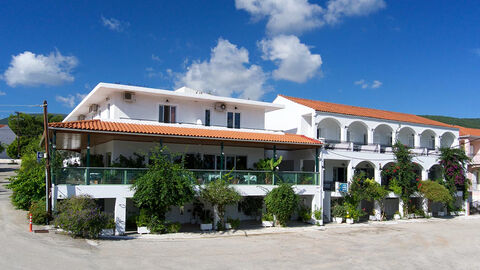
[
  {"x": 282, "y": 203},
  {"x": 27, "y": 127},
  {"x": 2, "y": 147},
  {"x": 435, "y": 192},
  {"x": 165, "y": 184},
  {"x": 28, "y": 185},
  {"x": 403, "y": 173},
  {"x": 453, "y": 162},
  {"x": 220, "y": 194}
]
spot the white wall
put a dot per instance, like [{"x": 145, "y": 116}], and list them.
[{"x": 146, "y": 108}]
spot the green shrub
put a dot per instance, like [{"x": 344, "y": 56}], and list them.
[
  {"x": 39, "y": 212},
  {"x": 282, "y": 202},
  {"x": 81, "y": 217},
  {"x": 304, "y": 213},
  {"x": 235, "y": 223},
  {"x": 353, "y": 212},
  {"x": 28, "y": 185},
  {"x": 318, "y": 214},
  {"x": 174, "y": 227},
  {"x": 267, "y": 217},
  {"x": 435, "y": 192},
  {"x": 339, "y": 210}
]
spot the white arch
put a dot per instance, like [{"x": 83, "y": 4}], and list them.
[
  {"x": 329, "y": 129},
  {"x": 406, "y": 136},
  {"x": 447, "y": 139},
  {"x": 357, "y": 132},
  {"x": 382, "y": 135},
  {"x": 427, "y": 139}
]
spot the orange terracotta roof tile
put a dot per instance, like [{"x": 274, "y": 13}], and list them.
[
  {"x": 469, "y": 131},
  {"x": 1, "y": 126},
  {"x": 365, "y": 112},
  {"x": 98, "y": 125}
]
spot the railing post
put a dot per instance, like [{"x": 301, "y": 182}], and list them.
[
  {"x": 248, "y": 181},
  {"x": 296, "y": 178},
  {"x": 87, "y": 176},
  {"x": 125, "y": 176},
  {"x": 273, "y": 178}
]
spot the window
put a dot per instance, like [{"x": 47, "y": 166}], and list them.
[
  {"x": 241, "y": 163},
  {"x": 233, "y": 120},
  {"x": 339, "y": 174},
  {"x": 207, "y": 118},
  {"x": 209, "y": 162},
  {"x": 167, "y": 114}
]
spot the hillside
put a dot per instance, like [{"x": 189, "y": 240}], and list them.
[{"x": 464, "y": 122}]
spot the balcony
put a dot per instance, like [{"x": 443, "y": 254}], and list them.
[{"x": 126, "y": 176}]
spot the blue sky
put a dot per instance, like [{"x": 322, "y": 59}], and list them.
[{"x": 420, "y": 57}]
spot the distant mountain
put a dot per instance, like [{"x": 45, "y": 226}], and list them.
[{"x": 464, "y": 122}]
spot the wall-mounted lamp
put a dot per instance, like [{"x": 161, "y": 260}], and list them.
[{"x": 167, "y": 101}]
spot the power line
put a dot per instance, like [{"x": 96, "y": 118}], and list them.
[{"x": 30, "y": 105}]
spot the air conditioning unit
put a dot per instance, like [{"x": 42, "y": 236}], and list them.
[
  {"x": 81, "y": 117},
  {"x": 93, "y": 108},
  {"x": 128, "y": 97},
  {"x": 220, "y": 107}
]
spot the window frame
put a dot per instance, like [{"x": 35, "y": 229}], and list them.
[{"x": 175, "y": 113}]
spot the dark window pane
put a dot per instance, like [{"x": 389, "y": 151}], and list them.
[
  {"x": 173, "y": 115},
  {"x": 209, "y": 162},
  {"x": 160, "y": 114},
  {"x": 207, "y": 117},
  {"x": 166, "y": 114},
  {"x": 230, "y": 162},
  {"x": 241, "y": 163},
  {"x": 230, "y": 119},
  {"x": 219, "y": 158},
  {"x": 237, "y": 120},
  {"x": 190, "y": 161}
]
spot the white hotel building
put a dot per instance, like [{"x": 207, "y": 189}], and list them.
[{"x": 322, "y": 144}]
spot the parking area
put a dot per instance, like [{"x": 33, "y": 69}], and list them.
[{"x": 422, "y": 244}]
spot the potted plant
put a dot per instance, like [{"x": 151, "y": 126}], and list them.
[
  {"x": 338, "y": 213},
  {"x": 142, "y": 222},
  {"x": 397, "y": 216},
  {"x": 267, "y": 220},
  {"x": 318, "y": 215},
  {"x": 305, "y": 215},
  {"x": 206, "y": 221},
  {"x": 109, "y": 228}
]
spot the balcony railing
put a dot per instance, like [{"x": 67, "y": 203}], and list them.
[{"x": 125, "y": 176}]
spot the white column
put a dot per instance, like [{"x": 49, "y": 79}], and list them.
[
  {"x": 424, "y": 175},
  {"x": 394, "y": 137},
  {"x": 370, "y": 136},
  {"x": 317, "y": 200},
  {"x": 400, "y": 206},
  {"x": 378, "y": 176},
  {"x": 467, "y": 208},
  {"x": 216, "y": 217},
  {"x": 120, "y": 215},
  {"x": 343, "y": 133},
  {"x": 378, "y": 210},
  {"x": 425, "y": 205},
  {"x": 349, "y": 172},
  {"x": 416, "y": 140},
  {"x": 437, "y": 142}
]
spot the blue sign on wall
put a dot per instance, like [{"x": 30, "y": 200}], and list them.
[
  {"x": 40, "y": 155},
  {"x": 343, "y": 187}
]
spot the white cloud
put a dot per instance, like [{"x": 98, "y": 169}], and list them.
[
  {"x": 68, "y": 101},
  {"x": 336, "y": 9},
  {"x": 2, "y": 93},
  {"x": 71, "y": 100},
  {"x": 227, "y": 73},
  {"x": 284, "y": 16},
  {"x": 30, "y": 69},
  {"x": 294, "y": 60},
  {"x": 114, "y": 24},
  {"x": 376, "y": 84},
  {"x": 364, "y": 84},
  {"x": 297, "y": 16}
]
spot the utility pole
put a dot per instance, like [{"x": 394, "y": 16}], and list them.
[{"x": 47, "y": 159}]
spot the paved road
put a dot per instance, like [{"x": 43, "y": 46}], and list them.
[{"x": 432, "y": 244}]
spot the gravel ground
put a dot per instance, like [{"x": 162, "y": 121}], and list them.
[{"x": 423, "y": 244}]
